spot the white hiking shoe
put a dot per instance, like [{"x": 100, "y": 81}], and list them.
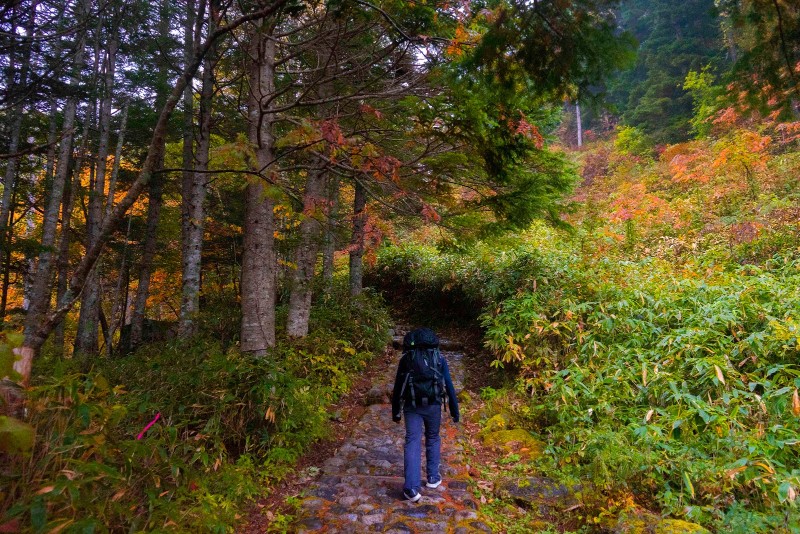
[
  {"x": 434, "y": 483},
  {"x": 412, "y": 495}
]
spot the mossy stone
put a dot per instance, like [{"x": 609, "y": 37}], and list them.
[
  {"x": 644, "y": 522},
  {"x": 534, "y": 492},
  {"x": 496, "y": 422},
  {"x": 517, "y": 440},
  {"x": 678, "y": 526},
  {"x": 632, "y": 526},
  {"x": 634, "y": 521},
  {"x": 464, "y": 397}
]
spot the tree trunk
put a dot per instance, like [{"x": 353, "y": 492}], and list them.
[
  {"x": 329, "y": 250},
  {"x": 10, "y": 177},
  {"x": 306, "y": 256},
  {"x": 9, "y": 180},
  {"x": 14, "y": 98},
  {"x": 38, "y": 331},
  {"x": 112, "y": 184},
  {"x": 259, "y": 263},
  {"x": 578, "y": 121},
  {"x": 154, "y": 203},
  {"x": 50, "y": 164},
  {"x": 40, "y": 294},
  {"x": 119, "y": 303},
  {"x": 88, "y": 320},
  {"x": 68, "y": 203},
  {"x": 7, "y": 262},
  {"x": 188, "y": 140},
  {"x": 315, "y": 208},
  {"x": 357, "y": 242},
  {"x": 194, "y": 195},
  {"x": 62, "y": 264},
  {"x": 52, "y": 141}
]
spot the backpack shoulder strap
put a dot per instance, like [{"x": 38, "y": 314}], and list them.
[
  {"x": 438, "y": 361},
  {"x": 407, "y": 364},
  {"x": 440, "y": 385}
]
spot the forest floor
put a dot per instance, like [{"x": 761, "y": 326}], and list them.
[{"x": 358, "y": 484}]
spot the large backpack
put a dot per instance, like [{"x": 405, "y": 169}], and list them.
[{"x": 424, "y": 381}]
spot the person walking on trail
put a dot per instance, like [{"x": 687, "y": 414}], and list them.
[{"x": 422, "y": 390}]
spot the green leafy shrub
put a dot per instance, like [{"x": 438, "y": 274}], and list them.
[
  {"x": 229, "y": 425},
  {"x": 631, "y": 140},
  {"x": 679, "y": 385}
]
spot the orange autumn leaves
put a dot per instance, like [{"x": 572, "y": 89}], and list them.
[
  {"x": 702, "y": 187},
  {"x": 635, "y": 202},
  {"x": 739, "y": 152}
]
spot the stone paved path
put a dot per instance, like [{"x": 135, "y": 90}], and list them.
[{"x": 360, "y": 489}]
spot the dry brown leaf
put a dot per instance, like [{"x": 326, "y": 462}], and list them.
[
  {"x": 59, "y": 528},
  {"x": 269, "y": 415}
]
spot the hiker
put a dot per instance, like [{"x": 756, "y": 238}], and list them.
[{"x": 422, "y": 389}]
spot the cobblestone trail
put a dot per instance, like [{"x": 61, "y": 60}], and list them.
[{"x": 360, "y": 489}]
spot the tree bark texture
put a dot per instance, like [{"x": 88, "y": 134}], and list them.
[
  {"x": 357, "y": 241},
  {"x": 315, "y": 209},
  {"x": 49, "y": 172},
  {"x": 40, "y": 294},
  {"x": 155, "y": 200},
  {"x": 68, "y": 203},
  {"x": 112, "y": 184},
  {"x": 187, "y": 177},
  {"x": 329, "y": 249},
  {"x": 7, "y": 262},
  {"x": 194, "y": 197},
  {"x": 306, "y": 255},
  {"x": 259, "y": 261},
  {"x": 120, "y": 301},
  {"x": 88, "y": 320}
]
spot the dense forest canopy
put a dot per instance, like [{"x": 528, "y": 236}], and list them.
[
  {"x": 672, "y": 42},
  {"x": 751, "y": 45}
]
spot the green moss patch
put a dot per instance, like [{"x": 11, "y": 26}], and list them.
[
  {"x": 678, "y": 526},
  {"x": 497, "y": 422}
]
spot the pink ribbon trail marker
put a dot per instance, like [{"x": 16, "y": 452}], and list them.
[{"x": 151, "y": 423}]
